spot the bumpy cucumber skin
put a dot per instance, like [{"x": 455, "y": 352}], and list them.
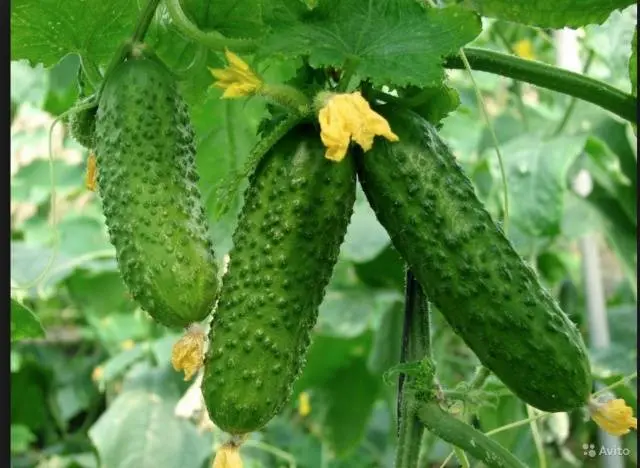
[
  {"x": 82, "y": 127},
  {"x": 148, "y": 185},
  {"x": 287, "y": 241},
  {"x": 469, "y": 269}
]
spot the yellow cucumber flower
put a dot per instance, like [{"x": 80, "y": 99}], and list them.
[
  {"x": 346, "y": 117},
  {"x": 237, "y": 79},
  {"x": 613, "y": 416},
  {"x": 304, "y": 405},
  {"x": 188, "y": 353},
  {"x": 92, "y": 173},
  {"x": 524, "y": 49},
  {"x": 228, "y": 456}
]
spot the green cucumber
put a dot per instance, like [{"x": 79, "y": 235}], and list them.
[
  {"x": 469, "y": 269},
  {"x": 82, "y": 126},
  {"x": 148, "y": 184},
  {"x": 294, "y": 219}
]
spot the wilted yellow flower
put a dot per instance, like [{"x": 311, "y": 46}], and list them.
[
  {"x": 614, "y": 416},
  {"x": 346, "y": 117},
  {"x": 304, "y": 405},
  {"x": 237, "y": 79},
  {"x": 524, "y": 49},
  {"x": 188, "y": 353},
  {"x": 92, "y": 172},
  {"x": 227, "y": 456}
]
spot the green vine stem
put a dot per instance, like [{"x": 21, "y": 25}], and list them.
[
  {"x": 144, "y": 20},
  {"x": 91, "y": 72},
  {"x": 546, "y": 76},
  {"x": 416, "y": 345},
  {"x": 286, "y": 96},
  {"x": 418, "y": 399},
  {"x": 213, "y": 40},
  {"x": 140, "y": 31},
  {"x": 458, "y": 433}
]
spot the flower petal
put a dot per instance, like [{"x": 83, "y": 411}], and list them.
[
  {"x": 235, "y": 61},
  {"x": 237, "y": 79},
  {"x": 613, "y": 416},
  {"x": 227, "y": 456},
  {"x": 188, "y": 353}
]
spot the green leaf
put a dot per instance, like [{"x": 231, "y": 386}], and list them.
[
  {"x": 552, "y": 267},
  {"x": 44, "y": 31},
  {"x": 115, "y": 329},
  {"x": 21, "y": 438},
  {"x": 606, "y": 170},
  {"x": 349, "y": 311},
  {"x": 433, "y": 103},
  {"x": 536, "y": 174},
  {"x": 503, "y": 410},
  {"x": 28, "y": 84},
  {"x": 549, "y": 13},
  {"x": 611, "y": 44},
  {"x": 621, "y": 233},
  {"x": 225, "y": 134},
  {"x": 327, "y": 355},
  {"x": 387, "y": 345},
  {"x": 232, "y": 18},
  {"x": 32, "y": 183},
  {"x": 30, "y": 390},
  {"x": 365, "y": 238},
  {"x": 189, "y": 60},
  {"x": 350, "y": 396},
  {"x": 24, "y": 323},
  {"x": 117, "y": 365},
  {"x": 140, "y": 428},
  {"x": 100, "y": 294},
  {"x": 397, "y": 42},
  {"x": 386, "y": 270},
  {"x": 63, "y": 85}
]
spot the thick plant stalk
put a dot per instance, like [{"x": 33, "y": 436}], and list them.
[
  {"x": 417, "y": 400},
  {"x": 547, "y": 76},
  {"x": 416, "y": 345},
  {"x": 456, "y": 432}
]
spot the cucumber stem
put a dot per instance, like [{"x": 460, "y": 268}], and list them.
[
  {"x": 140, "y": 31},
  {"x": 456, "y": 432},
  {"x": 546, "y": 76},
  {"x": 212, "y": 39},
  {"x": 144, "y": 20},
  {"x": 421, "y": 406},
  {"x": 416, "y": 345},
  {"x": 286, "y": 96},
  {"x": 91, "y": 71}
]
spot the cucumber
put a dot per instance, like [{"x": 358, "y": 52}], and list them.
[
  {"x": 286, "y": 243},
  {"x": 82, "y": 126},
  {"x": 469, "y": 269},
  {"x": 148, "y": 185}
]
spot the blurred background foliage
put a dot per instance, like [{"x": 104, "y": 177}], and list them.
[{"x": 95, "y": 388}]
